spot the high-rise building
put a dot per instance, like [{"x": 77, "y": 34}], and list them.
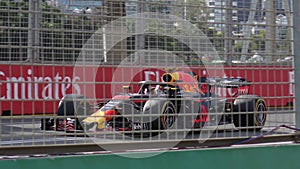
[
  {"x": 136, "y": 6},
  {"x": 219, "y": 11},
  {"x": 77, "y": 6},
  {"x": 240, "y": 11},
  {"x": 244, "y": 7}
]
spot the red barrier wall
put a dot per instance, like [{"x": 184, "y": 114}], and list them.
[{"x": 28, "y": 89}]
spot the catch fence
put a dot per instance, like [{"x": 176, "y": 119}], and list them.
[{"x": 221, "y": 72}]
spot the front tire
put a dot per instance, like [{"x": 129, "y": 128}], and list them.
[
  {"x": 164, "y": 120},
  {"x": 73, "y": 106},
  {"x": 168, "y": 116}
]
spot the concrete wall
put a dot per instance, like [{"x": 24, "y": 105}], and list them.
[{"x": 258, "y": 157}]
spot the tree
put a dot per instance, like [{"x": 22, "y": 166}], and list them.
[
  {"x": 194, "y": 11},
  {"x": 61, "y": 35},
  {"x": 12, "y": 35},
  {"x": 257, "y": 43},
  {"x": 14, "y": 16}
]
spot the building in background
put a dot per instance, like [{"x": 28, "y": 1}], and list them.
[
  {"x": 240, "y": 12},
  {"x": 244, "y": 7},
  {"x": 137, "y": 6},
  {"x": 77, "y": 6},
  {"x": 131, "y": 7},
  {"x": 217, "y": 14}
]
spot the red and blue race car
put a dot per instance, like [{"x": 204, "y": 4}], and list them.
[{"x": 181, "y": 101}]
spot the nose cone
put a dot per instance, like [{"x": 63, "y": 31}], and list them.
[{"x": 97, "y": 117}]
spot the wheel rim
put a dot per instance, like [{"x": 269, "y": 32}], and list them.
[
  {"x": 170, "y": 118},
  {"x": 260, "y": 116}
]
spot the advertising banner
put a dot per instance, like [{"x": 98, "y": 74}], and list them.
[{"x": 27, "y": 89}]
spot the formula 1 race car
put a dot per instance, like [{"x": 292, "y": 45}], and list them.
[{"x": 180, "y": 101}]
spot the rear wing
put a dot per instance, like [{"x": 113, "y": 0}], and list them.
[
  {"x": 228, "y": 86},
  {"x": 227, "y": 82}
]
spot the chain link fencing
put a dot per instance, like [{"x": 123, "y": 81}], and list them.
[{"x": 148, "y": 73}]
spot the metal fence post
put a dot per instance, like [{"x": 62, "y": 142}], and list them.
[
  {"x": 228, "y": 33},
  {"x": 34, "y": 19},
  {"x": 31, "y": 25},
  {"x": 37, "y": 28},
  {"x": 271, "y": 30},
  {"x": 247, "y": 31},
  {"x": 296, "y": 36}
]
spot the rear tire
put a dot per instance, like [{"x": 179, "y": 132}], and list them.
[{"x": 252, "y": 114}]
